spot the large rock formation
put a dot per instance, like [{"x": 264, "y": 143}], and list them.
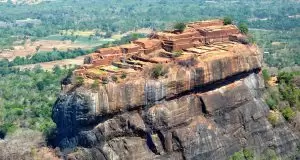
[{"x": 208, "y": 111}]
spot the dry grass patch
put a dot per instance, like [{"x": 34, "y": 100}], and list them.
[{"x": 274, "y": 117}]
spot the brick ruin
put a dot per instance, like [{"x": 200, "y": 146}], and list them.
[
  {"x": 208, "y": 23},
  {"x": 178, "y": 41},
  {"x": 196, "y": 34},
  {"x": 218, "y": 33},
  {"x": 148, "y": 45}
]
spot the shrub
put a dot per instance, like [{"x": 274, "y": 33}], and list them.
[
  {"x": 79, "y": 80},
  {"x": 95, "y": 85},
  {"x": 40, "y": 85},
  {"x": 285, "y": 77},
  {"x": 274, "y": 94},
  {"x": 227, "y": 20},
  {"x": 273, "y": 99},
  {"x": 266, "y": 75},
  {"x": 288, "y": 90},
  {"x": 47, "y": 127},
  {"x": 87, "y": 60},
  {"x": 7, "y": 128},
  {"x": 288, "y": 113},
  {"x": 251, "y": 39},
  {"x": 271, "y": 103},
  {"x": 17, "y": 111},
  {"x": 244, "y": 154},
  {"x": 123, "y": 76},
  {"x": 178, "y": 53},
  {"x": 269, "y": 154},
  {"x": 273, "y": 118},
  {"x": 114, "y": 78},
  {"x": 290, "y": 93},
  {"x": 237, "y": 156},
  {"x": 248, "y": 154},
  {"x": 180, "y": 26},
  {"x": 243, "y": 28},
  {"x": 158, "y": 71},
  {"x": 104, "y": 80}
]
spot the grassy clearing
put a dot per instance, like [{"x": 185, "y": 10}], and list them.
[{"x": 79, "y": 33}]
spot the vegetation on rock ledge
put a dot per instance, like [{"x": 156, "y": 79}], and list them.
[{"x": 285, "y": 97}]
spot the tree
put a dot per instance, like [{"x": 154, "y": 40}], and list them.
[
  {"x": 243, "y": 28},
  {"x": 37, "y": 69},
  {"x": 97, "y": 34},
  {"x": 180, "y": 26},
  {"x": 40, "y": 85},
  {"x": 56, "y": 70},
  {"x": 91, "y": 37},
  {"x": 108, "y": 35},
  {"x": 227, "y": 20},
  {"x": 73, "y": 38}
]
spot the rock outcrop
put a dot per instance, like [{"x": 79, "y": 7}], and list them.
[
  {"x": 208, "y": 125},
  {"x": 207, "y": 111}
]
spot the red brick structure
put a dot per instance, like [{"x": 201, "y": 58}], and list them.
[
  {"x": 148, "y": 45},
  {"x": 178, "y": 41},
  {"x": 105, "y": 56},
  {"x": 106, "y": 59},
  {"x": 218, "y": 33},
  {"x": 110, "y": 50},
  {"x": 208, "y": 23},
  {"x": 196, "y": 34},
  {"x": 130, "y": 48}
]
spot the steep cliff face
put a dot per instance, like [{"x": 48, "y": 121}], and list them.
[{"x": 208, "y": 111}]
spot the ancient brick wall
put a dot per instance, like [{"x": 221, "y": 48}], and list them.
[
  {"x": 202, "y": 24},
  {"x": 110, "y": 50},
  {"x": 149, "y": 45},
  {"x": 130, "y": 48},
  {"x": 106, "y": 59}
]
